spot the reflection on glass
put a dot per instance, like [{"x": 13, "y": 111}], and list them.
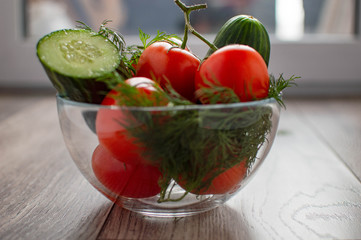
[{"x": 288, "y": 19}]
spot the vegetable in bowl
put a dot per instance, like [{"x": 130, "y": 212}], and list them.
[
  {"x": 74, "y": 60},
  {"x": 154, "y": 127}
]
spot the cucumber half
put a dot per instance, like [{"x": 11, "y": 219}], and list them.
[{"x": 77, "y": 61}]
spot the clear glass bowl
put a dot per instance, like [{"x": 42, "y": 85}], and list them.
[{"x": 169, "y": 161}]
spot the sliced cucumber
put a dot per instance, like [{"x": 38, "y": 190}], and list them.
[{"x": 75, "y": 60}]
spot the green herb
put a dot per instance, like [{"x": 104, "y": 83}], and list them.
[
  {"x": 132, "y": 53},
  {"x": 110, "y": 34},
  {"x": 113, "y": 36},
  {"x": 278, "y": 85},
  {"x": 123, "y": 71},
  {"x": 195, "y": 146},
  {"x": 161, "y": 36},
  {"x": 213, "y": 93}
]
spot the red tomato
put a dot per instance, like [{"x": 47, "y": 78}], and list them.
[
  {"x": 145, "y": 87},
  {"x": 238, "y": 67},
  {"x": 167, "y": 64},
  {"x": 227, "y": 181},
  {"x": 135, "y": 181},
  {"x": 115, "y": 138},
  {"x": 111, "y": 125}
]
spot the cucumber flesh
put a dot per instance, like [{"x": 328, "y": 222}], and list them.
[
  {"x": 78, "y": 53},
  {"x": 75, "y": 60}
]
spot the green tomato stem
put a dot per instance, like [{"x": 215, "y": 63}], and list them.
[
  {"x": 188, "y": 27},
  {"x": 185, "y": 37},
  {"x": 197, "y": 34}
]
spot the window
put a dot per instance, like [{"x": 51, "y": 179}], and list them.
[{"x": 315, "y": 39}]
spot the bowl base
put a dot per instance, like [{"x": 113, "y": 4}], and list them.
[{"x": 190, "y": 205}]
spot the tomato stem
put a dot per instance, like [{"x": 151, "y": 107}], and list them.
[
  {"x": 188, "y": 27},
  {"x": 185, "y": 37}
]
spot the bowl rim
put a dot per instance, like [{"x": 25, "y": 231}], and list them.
[{"x": 255, "y": 103}]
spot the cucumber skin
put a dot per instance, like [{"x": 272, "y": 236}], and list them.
[
  {"x": 78, "y": 89},
  {"x": 87, "y": 90},
  {"x": 244, "y": 29}
]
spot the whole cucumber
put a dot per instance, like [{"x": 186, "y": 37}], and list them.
[{"x": 247, "y": 30}]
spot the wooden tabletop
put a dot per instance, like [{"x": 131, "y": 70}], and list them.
[{"x": 308, "y": 187}]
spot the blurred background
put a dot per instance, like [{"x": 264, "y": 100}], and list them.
[{"x": 317, "y": 40}]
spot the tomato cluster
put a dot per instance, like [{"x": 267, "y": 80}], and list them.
[
  {"x": 238, "y": 67},
  {"x": 119, "y": 163}
]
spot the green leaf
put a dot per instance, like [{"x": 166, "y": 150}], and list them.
[{"x": 143, "y": 38}]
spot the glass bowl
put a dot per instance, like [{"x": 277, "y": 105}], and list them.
[{"x": 169, "y": 161}]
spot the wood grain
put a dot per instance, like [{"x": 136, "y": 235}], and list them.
[
  {"x": 42, "y": 194},
  {"x": 338, "y": 123},
  {"x": 215, "y": 224},
  {"x": 304, "y": 190}
]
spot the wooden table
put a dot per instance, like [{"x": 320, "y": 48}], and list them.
[{"x": 308, "y": 187}]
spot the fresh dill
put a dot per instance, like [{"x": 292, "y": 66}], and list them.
[
  {"x": 278, "y": 85},
  {"x": 195, "y": 146},
  {"x": 113, "y": 36},
  {"x": 132, "y": 53}
]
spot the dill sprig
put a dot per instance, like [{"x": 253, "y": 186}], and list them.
[
  {"x": 119, "y": 41},
  {"x": 195, "y": 146},
  {"x": 83, "y": 25},
  {"x": 112, "y": 35},
  {"x": 127, "y": 95},
  {"x": 132, "y": 53},
  {"x": 160, "y": 36},
  {"x": 116, "y": 38},
  {"x": 213, "y": 93},
  {"x": 278, "y": 85}
]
